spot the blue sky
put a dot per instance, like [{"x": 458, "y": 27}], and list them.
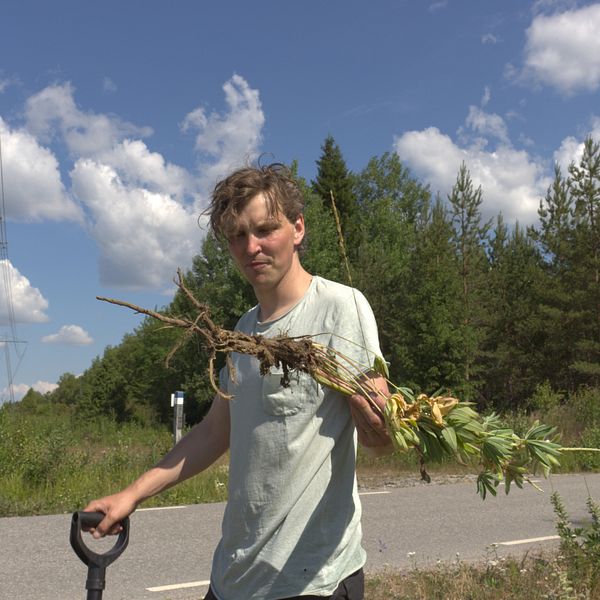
[{"x": 116, "y": 118}]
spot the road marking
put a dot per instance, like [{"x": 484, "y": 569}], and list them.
[
  {"x": 159, "y": 508},
  {"x": 178, "y": 586},
  {"x": 529, "y": 540},
  {"x": 373, "y": 493}
]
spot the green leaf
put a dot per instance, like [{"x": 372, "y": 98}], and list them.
[
  {"x": 449, "y": 436},
  {"x": 399, "y": 441},
  {"x": 487, "y": 482},
  {"x": 380, "y": 367}
]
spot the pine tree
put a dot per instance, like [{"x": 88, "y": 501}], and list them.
[
  {"x": 433, "y": 310},
  {"x": 569, "y": 238},
  {"x": 584, "y": 186},
  {"x": 515, "y": 331},
  {"x": 470, "y": 237},
  {"x": 556, "y": 240}
]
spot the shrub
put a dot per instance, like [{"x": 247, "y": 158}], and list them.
[
  {"x": 545, "y": 398},
  {"x": 586, "y": 403}
]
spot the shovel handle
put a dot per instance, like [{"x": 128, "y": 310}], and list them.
[
  {"x": 89, "y": 557},
  {"x": 89, "y": 519},
  {"x": 96, "y": 563}
]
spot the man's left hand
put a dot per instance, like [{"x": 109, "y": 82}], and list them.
[{"x": 368, "y": 419}]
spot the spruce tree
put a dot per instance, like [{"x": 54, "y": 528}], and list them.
[{"x": 334, "y": 178}]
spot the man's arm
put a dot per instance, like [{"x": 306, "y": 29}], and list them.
[{"x": 204, "y": 444}]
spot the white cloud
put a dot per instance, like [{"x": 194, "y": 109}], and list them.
[
  {"x": 511, "y": 180},
  {"x": 487, "y": 124},
  {"x": 53, "y": 112},
  {"x": 44, "y": 386},
  {"x": 436, "y": 6},
  {"x": 143, "y": 236},
  {"x": 571, "y": 148},
  {"x": 487, "y": 95},
  {"x": 552, "y": 6},
  {"x": 141, "y": 210},
  {"x": 138, "y": 166},
  {"x": 20, "y": 389},
  {"x": 6, "y": 82},
  {"x": 71, "y": 335},
  {"x": 108, "y": 85},
  {"x": 563, "y": 50},
  {"x": 29, "y": 305},
  {"x": 228, "y": 140},
  {"x": 33, "y": 189},
  {"x": 489, "y": 38}
]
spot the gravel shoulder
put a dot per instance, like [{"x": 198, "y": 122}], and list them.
[{"x": 379, "y": 479}]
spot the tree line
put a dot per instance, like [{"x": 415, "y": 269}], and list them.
[{"x": 487, "y": 310}]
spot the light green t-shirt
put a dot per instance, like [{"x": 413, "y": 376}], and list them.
[{"x": 292, "y": 521}]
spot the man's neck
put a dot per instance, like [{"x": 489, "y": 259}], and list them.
[{"x": 275, "y": 302}]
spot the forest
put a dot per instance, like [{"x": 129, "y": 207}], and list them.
[{"x": 490, "y": 311}]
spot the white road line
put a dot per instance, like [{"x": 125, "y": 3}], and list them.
[
  {"x": 178, "y": 586},
  {"x": 373, "y": 493},
  {"x": 159, "y": 508},
  {"x": 529, "y": 541}
]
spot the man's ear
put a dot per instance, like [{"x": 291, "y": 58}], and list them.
[{"x": 299, "y": 230}]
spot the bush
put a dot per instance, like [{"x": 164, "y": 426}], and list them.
[
  {"x": 545, "y": 398},
  {"x": 586, "y": 403}
]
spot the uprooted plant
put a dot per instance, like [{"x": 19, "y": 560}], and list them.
[{"x": 434, "y": 426}]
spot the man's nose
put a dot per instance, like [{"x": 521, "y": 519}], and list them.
[{"x": 252, "y": 245}]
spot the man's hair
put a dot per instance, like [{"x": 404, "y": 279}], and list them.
[{"x": 231, "y": 195}]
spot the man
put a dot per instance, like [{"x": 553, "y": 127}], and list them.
[{"x": 291, "y": 527}]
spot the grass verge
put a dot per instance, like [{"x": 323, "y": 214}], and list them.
[{"x": 530, "y": 578}]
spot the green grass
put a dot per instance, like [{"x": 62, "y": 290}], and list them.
[{"x": 53, "y": 463}]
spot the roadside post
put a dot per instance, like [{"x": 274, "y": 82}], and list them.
[{"x": 177, "y": 404}]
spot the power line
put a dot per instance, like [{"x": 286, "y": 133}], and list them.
[{"x": 6, "y": 267}]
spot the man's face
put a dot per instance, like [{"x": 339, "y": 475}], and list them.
[{"x": 263, "y": 246}]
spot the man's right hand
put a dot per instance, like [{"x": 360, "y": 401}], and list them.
[{"x": 115, "y": 508}]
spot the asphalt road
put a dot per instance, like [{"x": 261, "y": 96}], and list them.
[{"x": 170, "y": 550}]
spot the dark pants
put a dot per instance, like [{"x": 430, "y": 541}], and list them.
[{"x": 351, "y": 588}]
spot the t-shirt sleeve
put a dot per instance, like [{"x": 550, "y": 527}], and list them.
[{"x": 355, "y": 337}]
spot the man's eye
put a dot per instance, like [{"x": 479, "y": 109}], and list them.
[
  {"x": 267, "y": 229},
  {"x": 235, "y": 235}
]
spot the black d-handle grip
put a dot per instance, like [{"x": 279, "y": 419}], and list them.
[
  {"x": 97, "y": 563},
  {"x": 92, "y": 519}
]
